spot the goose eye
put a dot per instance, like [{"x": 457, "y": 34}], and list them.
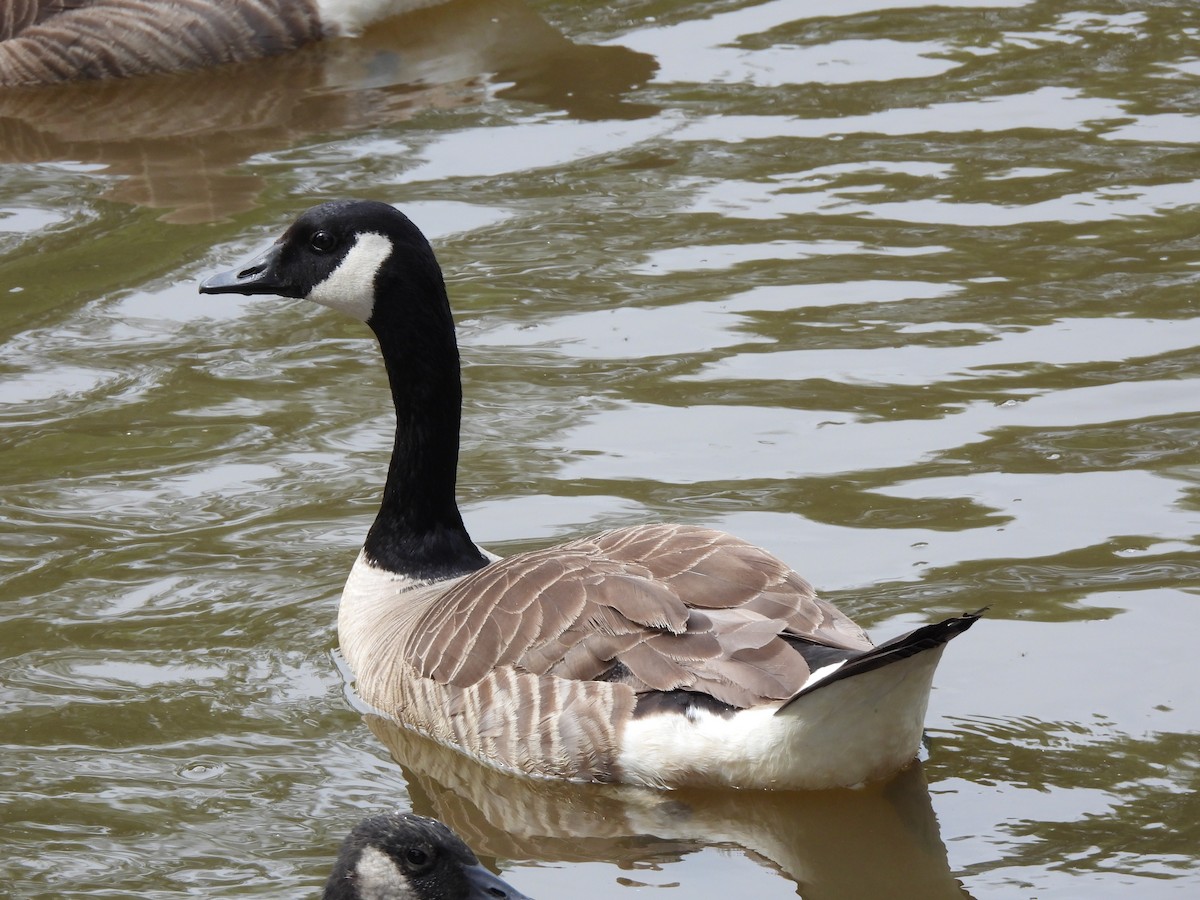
[
  {"x": 418, "y": 859},
  {"x": 322, "y": 241}
]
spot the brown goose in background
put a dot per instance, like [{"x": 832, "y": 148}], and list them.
[
  {"x": 178, "y": 143},
  {"x": 661, "y": 655},
  {"x": 52, "y": 41},
  {"x": 401, "y": 856}
]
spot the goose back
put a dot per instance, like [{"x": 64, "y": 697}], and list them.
[
  {"x": 49, "y": 41},
  {"x": 52, "y": 41}
]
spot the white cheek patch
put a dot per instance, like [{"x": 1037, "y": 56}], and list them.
[
  {"x": 379, "y": 878},
  {"x": 350, "y": 288}
]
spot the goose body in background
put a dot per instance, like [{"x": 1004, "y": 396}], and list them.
[
  {"x": 401, "y": 856},
  {"x": 659, "y": 654},
  {"x": 52, "y": 41}
]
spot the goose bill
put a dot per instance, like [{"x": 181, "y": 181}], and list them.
[
  {"x": 483, "y": 885},
  {"x": 259, "y": 276}
]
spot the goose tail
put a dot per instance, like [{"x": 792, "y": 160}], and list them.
[{"x": 921, "y": 640}]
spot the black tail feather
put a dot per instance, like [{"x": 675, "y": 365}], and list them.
[{"x": 918, "y": 641}]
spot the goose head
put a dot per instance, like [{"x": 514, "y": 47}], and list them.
[
  {"x": 350, "y": 255},
  {"x": 366, "y": 259},
  {"x": 409, "y": 857}
]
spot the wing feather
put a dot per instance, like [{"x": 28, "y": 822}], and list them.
[
  {"x": 47, "y": 41},
  {"x": 658, "y": 607}
]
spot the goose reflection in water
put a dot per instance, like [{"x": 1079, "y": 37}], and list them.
[
  {"x": 175, "y": 141},
  {"x": 835, "y": 845}
]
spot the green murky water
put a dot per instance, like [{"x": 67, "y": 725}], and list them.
[{"x": 905, "y": 294}]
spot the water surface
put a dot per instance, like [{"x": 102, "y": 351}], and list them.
[{"x": 905, "y": 294}]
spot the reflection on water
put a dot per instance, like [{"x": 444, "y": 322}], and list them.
[
  {"x": 905, "y": 294},
  {"x": 175, "y": 142},
  {"x": 835, "y": 844}
]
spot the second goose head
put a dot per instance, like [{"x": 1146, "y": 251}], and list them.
[{"x": 401, "y": 856}]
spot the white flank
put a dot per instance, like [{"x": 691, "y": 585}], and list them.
[
  {"x": 856, "y": 730},
  {"x": 350, "y": 288},
  {"x": 379, "y": 878},
  {"x": 346, "y": 18}
]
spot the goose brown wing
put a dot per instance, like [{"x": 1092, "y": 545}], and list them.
[
  {"x": 715, "y": 570},
  {"x": 657, "y": 607},
  {"x": 46, "y": 41},
  {"x": 17, "y": 15}
]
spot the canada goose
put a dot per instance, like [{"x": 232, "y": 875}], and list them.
[
  {"x": 401, "y": 856},
  {"x": 51, "y": 41},
  {"x": 657, "y": 654}
]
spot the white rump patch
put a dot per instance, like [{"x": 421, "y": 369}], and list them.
[
  {"x": 855, "y": 730},
  {"x": 350, "y": 288},
  {"x": 379, "y": 878},
  {"x": 346, "y": 18}
]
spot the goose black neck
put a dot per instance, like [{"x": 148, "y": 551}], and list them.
[{"x": 419, "y": 531}]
